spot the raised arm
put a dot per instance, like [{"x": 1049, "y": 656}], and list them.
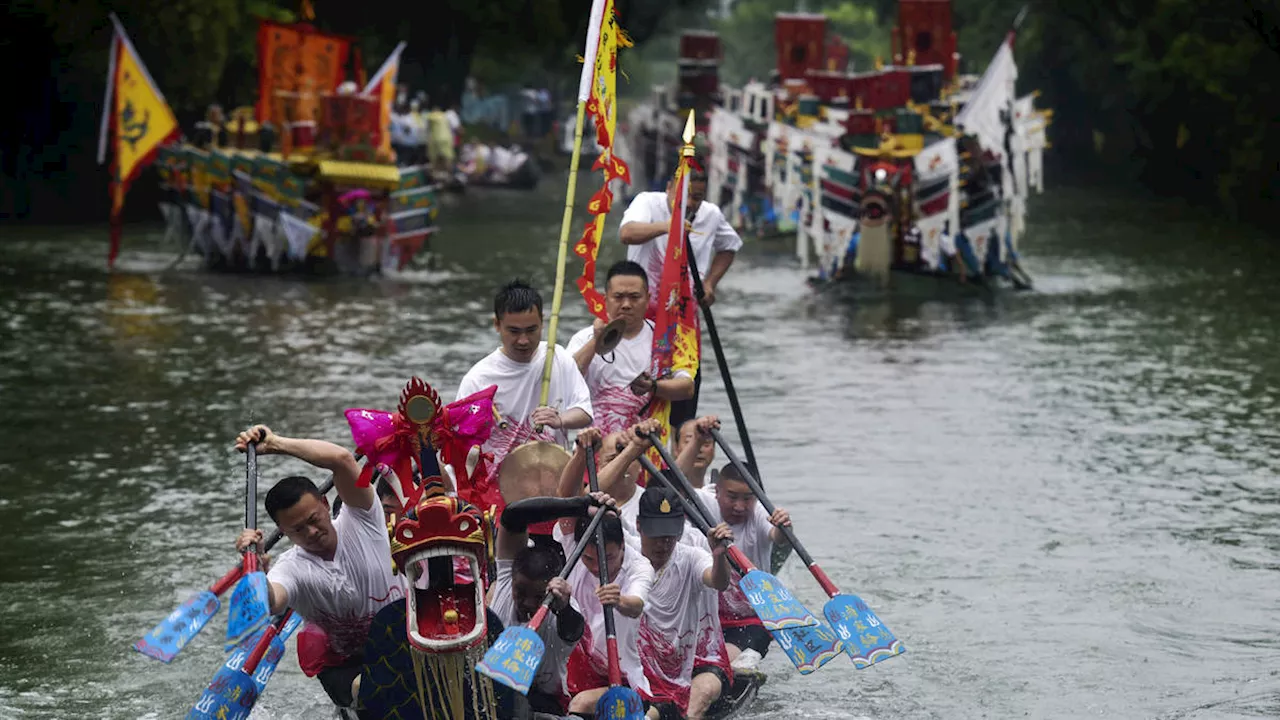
[
  {"x": 688, "y": 456},
  {"x": 320, "y": 453}
]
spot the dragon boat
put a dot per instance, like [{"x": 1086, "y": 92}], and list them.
[
  {"x": 422, "y": 651},
  {"x": 303, "y": 182},
  {"x": 910, "y": 178}
]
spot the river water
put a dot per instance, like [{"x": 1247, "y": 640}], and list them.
[{"x": 1063, "y": 502}]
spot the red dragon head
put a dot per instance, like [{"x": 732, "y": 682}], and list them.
[{"x": 442, "y": 545}]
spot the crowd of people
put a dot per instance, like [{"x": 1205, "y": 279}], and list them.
[
  {"x": 430, "y": 132},
  {"x": 684, "y": 628}
]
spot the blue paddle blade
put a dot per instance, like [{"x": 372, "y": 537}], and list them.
[
  {"x": 270, "y": 660},
  {"x": 808, "y": 648},
  {"x": 773, "y": 603},
  {"x": 230, "y": 696},
  {"x": 250, "y": 609},
  {"x": 865, "y": 638},
  {"x": 174, "y": 632},
  {"x": 620, "y": 703},
  {"x": 513, "y": 659}
]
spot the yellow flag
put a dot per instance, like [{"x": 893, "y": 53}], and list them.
[
  {"x": 383, "y": 88},
  {"x": 141, "y": 118},
  {"x": 136, "y": 121}
]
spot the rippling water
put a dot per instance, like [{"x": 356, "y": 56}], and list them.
[{"x": 1064, "y": 503}]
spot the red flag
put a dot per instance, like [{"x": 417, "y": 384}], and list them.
[{"x": 675, "y": 332}]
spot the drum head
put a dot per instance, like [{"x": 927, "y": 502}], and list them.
[{"x": 531, "y": 470}]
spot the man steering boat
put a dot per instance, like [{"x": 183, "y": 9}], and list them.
[{"x": 713, "y": 240}]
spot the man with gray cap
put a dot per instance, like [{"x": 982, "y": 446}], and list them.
[{"x": 681, "y": 645}]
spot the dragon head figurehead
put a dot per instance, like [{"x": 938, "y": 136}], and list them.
[
  {"x": 442, "y": 546},
  {"x": 439, "y": 541}
]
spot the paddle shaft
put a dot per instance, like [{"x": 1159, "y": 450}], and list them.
[
  {"x": 610, "y": 631},
  {"x": 827, "y": 586},
  {"x": 720, "y": 359},
  {"x": 565, "y": 222},
  {"x": 251, "y": 504},
  {"x": 699, "y": 515},
  {"x": 251, "y": 664},
  {"x": 536, "y": 621}
]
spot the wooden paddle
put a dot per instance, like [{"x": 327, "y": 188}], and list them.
[
  {"x": 250, "y": 602},
  {"x": 865, "y": 638},
  {"x": 240, "y": 681},
  {"x": 514, "y": 658},
  {"x": 772, "y": 602},
  {"x": 619, "y": 701},
  {"x": 700, "y": 294}
]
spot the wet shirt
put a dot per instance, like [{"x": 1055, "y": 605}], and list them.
[{"x": 342, "y": 595}]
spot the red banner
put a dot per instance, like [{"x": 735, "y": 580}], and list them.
[{"x": 301, "y": 62}]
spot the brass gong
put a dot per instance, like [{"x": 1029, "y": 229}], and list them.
[{"x": 531, "y": 470}]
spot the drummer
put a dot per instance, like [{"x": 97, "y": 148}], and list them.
[
  {"x": 516, "y": 368},
  {"x": 618, "y": 377}
]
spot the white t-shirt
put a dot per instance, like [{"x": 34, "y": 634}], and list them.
[
  {"x": 711, "y": 234},
  {"x": 609, "y": 378},
  {"x": 752, "y": 538},
  {"x": 519, "y": 388},
  {"x": 342, "y": 595},
  {"x": 680, "y": 623},
  {"x": 551, "y": 673},
  {"x": 635, "y": 578}
]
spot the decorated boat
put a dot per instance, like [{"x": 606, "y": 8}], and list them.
[
  {"x": 306, "y": 180},
  {"x": 906, "y": 177}
]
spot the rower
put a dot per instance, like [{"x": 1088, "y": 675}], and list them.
[
  {"x": 587, "y": 677},
  {"x": 681, "y": 646},
  {"x": 620, "y": 473},
  {"x": 525, "y": 574},
  {"x": 705, "y": 455},
  {"x": 644, "y": 231},
  {"x": 614, "y": 357},
  {"x": 516, "y": 368},
  {"x": 336, "y": 576},
  {"x": 755, "y": 532}
]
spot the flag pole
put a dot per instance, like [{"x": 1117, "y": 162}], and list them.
[{"x": 584, "y": 88}]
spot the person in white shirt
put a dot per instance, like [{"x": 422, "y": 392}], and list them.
[
  {"x": 338, "y": 574},
  {"x": 630, "y": 577},
  {"x": 714, "y": 241},
  {"x": 516, "y": 368},
  {"x": 620, "y": 384},
  {"x": 755, "y": 532},
  {"x": 681, "y": 645},
  {"x": 525, "y": 573},
  {"x": 648, "y": 218}
]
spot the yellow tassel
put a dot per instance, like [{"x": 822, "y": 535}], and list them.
[
  {"x": 580, "y": 58},
  {"x": 624, "y": 40}
]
